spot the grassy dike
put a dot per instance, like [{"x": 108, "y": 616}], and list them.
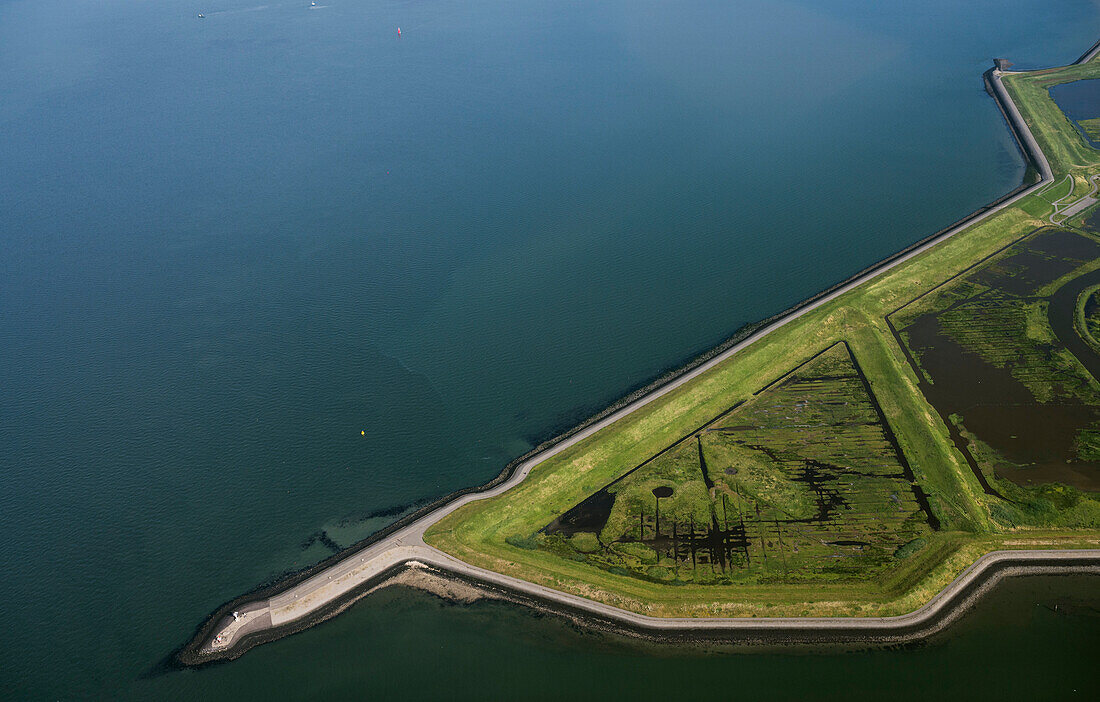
[
  {"x": 1058, "y": 138},
  {"x": 477, "y": 533}
]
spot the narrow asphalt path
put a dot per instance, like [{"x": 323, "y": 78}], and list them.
[
  {"x": 407, "y": 545},
  {"x": 1066, "y": 210}
]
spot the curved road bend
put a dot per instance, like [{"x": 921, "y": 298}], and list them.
[
  {"x": 1067, "y": 210},
  {"x": 408, "y": 544}
]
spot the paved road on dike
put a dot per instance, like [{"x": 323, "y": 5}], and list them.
[{"x": 407, "y": 544}]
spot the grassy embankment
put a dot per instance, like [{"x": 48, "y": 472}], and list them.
[
  {"x": 477, "y": 533},
  {"x": 1065, "y": 149},
  {"x": 1091, "y": 127}
]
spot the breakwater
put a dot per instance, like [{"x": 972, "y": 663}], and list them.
[{"x": 305, "y": 598}]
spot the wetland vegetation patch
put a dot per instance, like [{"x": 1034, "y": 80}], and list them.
[
  {"x": 998, "y": 355},
  {"x": 802, "y": 482}
]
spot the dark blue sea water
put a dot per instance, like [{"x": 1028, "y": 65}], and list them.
[{"x": 229, "y": 245}]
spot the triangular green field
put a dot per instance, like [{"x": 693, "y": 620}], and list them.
[{"x": 803, "y": 479}]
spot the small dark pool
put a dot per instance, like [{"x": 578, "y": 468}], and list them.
[{"x": 1079, "y": 100}]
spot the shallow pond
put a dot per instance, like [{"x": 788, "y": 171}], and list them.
[
  {"x": 1079, "y": 100},
  {"x": 1034, "y": 438}
]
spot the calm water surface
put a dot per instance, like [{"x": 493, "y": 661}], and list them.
[
  {"x": 1079, "y": 100},
  {"x": 229, "y": 245},
  {"x": 406, "y": 645}
]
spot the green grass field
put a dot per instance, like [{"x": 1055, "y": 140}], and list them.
[{"x": 915, "y": 512}]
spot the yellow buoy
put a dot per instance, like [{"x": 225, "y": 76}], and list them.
[{"x": 362, "y": 433}]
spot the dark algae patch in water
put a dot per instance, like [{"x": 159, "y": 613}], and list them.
[
  {"x": 803, "y": 482},
  {"x": 999, "y": 357}
]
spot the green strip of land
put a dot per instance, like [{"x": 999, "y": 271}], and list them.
[
  {"x": 624, "y": 566},
  {"x": 1091, "y": 127},
  {"x": 1088, "y": 314}
]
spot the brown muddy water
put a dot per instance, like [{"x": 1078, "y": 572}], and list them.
[
  {"x": 1034, "y": 440},
  {"x": 1041, "y": 260}
]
